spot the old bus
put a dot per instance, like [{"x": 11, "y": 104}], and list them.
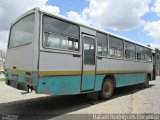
[{"x": 53, "y": 55}]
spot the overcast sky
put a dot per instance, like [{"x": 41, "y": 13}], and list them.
[{"x": 138, "y": 20}]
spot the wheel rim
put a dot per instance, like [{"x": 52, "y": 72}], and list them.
[{"x": 107, "y": 88}]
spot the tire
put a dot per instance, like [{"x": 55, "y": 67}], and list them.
[
  {"x": 107, "y": 89},
  {"x": 146, "y": 83}
]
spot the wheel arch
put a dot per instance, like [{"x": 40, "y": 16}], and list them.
[{"x": 112, "y": 78}]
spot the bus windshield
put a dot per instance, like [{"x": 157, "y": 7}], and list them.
[{"x": 22, "y": 32}]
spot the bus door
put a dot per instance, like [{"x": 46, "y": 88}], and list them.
[{"x": 88, "y": 63}]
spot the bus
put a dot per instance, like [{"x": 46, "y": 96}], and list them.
[{"x": 53, "y": 55}]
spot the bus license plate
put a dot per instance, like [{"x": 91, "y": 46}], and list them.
[{"x": 15, "y": 77}]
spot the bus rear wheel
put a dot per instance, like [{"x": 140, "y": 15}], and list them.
[{"x": 107, "y": 89}]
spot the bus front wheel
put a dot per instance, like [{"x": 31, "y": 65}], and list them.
[{"x": 107, "y": 89}]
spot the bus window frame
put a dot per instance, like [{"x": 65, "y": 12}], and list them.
[
  {"x": 151, "y": 55},
  {"x": 58, "y": 50},
  {"x": 115, "y": 57},
  {"x": 130, "y": 59},
  {"x": 11, "y": 29},
  {"x": 101, "y": 55},
  {"x": 142, "y": 60}
]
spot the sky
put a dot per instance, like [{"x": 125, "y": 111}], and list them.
[{"x": 138, "y": 20}]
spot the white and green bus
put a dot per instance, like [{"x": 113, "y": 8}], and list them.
[{"x": 53, "y": 55}]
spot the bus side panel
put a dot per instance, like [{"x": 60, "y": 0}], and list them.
[
  {"x": 141, "y": 72},
  {"x": 116, "y": 65},
  {"x": 149, "y": 68},
  {"x": 134, "y": 73},
  {"x": 88, "y": 82},
  {"x": 109, "y": 67},
  {"x": 125, "y": 72},
  {"x": 99, "y": 81},
  {"x": 59, "y": 73},
  {"x": 117, "y": 69},
  {"x": 101, "y": 70},
  {"x": 130, "y": 79},
  {"x": 59, "y": 85},
  {"x": 122, "y": 79},
  {"x": 20, "y": 58}
]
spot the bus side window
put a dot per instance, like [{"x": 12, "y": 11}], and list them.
[
  {"x": 112, "y": 51},
  {"x": 99, "y": 49},
  {"x": 148, "y": 55},
  {"x": 115, "y": 47},
  {"x": 102, "y": 44},
  {"x": 130, "y": 51},
  {"x": 140, "y": 53},
  {"x": 59, "y": 34},
  {"x": 73, "y": 44}
]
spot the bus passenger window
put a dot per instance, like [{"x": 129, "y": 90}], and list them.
[
  {"x": 70, "y": 44},
  {"x": 115, "y": 47},
  {"x": 112, "y": 51},
  {"x": 65, "y": 44},
  {"x": 99, "y": 49},
  {"x": 22, "y": 32},
  {"x": 59, "y": 34},
  {"x": 102, "y": 44},
  {"x": 53, "y": 40},
  {"x": 140, "y": 53},
  {"x": 148, "y": 55},
  {"x": 75, "y": 46},
  {"x": 130, "y": 51}
]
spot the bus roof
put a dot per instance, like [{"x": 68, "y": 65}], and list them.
[{"x": 69, "y": 20}]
